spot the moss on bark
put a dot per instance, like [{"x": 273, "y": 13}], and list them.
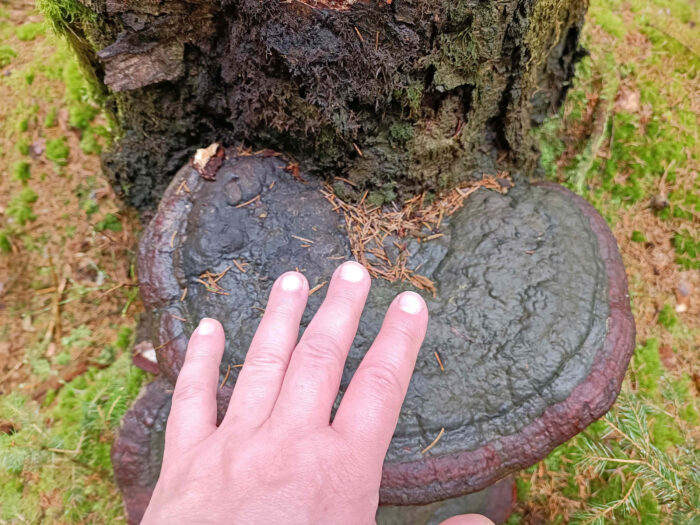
[{"x": 416, "y": 94}]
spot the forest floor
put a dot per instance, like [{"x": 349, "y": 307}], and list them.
[{"x": 626, "y": 139}]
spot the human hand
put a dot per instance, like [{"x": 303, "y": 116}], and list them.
[{"x": 277, "y": 457}]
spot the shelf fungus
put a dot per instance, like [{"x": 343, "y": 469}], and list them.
[{"x": 530, "y": 318}]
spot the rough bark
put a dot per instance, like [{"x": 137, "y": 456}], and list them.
[{"x": 398, "y": 96}]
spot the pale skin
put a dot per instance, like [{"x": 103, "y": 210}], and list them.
[{"x": 277, "y": 458}]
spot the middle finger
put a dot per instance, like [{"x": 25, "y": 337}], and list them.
[{"x": 313, "y": 376}]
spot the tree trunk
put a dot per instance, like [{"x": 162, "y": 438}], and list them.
[{"x": 397, "y": 96}]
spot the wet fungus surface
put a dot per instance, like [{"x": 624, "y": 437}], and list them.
[{"x": 530, "y": 329}]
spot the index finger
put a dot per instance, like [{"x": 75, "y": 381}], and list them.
[{"x": 371, "y": 405}]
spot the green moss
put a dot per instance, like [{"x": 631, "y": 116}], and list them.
[
  {"x": 89, "y": 143},
  {"x": 61, "y": 14},
  {"x": 110, "y": 222},
  {"x": 5, "y": 242},
  {"x": 514, "y": 519},
  {"x": 23, "y": 124},
  {"x": 57, "y": 151},
  {"x": 401, "y": 132},
  {"x": 74, "y": 81},
  {"x": 82, "y": 417},
  {"x": 29, "y": 31},
  {"x": 51, "y": 117},
  {"x": 648, "y": 367},
  {"x": 6, "y": 55},
  {"x": 638, "y": 236},
  {"x": 81, "y": 115},
  {"x": 412, "y": 97},
  {"x": 665, "y": 432},
  {"x": 667, "y": 317},
  {"x": 523, "y": 489},
  {"x": 687, "y": 247},
  {"x": 375, "y": 198},
  {"x": 20, "y": 206},
  {"x": 23, "y": 146},
  {"x": 682, "y": 390},
  {"x": 610, "y": 22},
  {"x": 21, "y": 171}
]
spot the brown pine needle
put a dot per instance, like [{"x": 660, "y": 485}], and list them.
[
  {"x": 251, "y": 201},
  {"x": 172, "y": 239},
  {"x": 426, "y": 449},
  {"x": 184, "y": 294},
  {"x": 218, "y": 277},
  {"x": 303, "y": 239},
  {"x": 228, "y": 372},
  {"x": 437, "y": 356},
  {"x": 357, "y": 148},
  {"x": 434, "y": 236},
  {"x": 178, "y": 318},
  {"x": 359, "y": 34},
  {"x": 166, "y": 343},
  {"x": 317, "y": 288},
  {"x": 370, "y": 229},
  {"x": 346, "y": 181},
  {"x": 240, "y": 266}
]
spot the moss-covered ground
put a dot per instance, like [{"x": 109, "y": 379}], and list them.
[
  {"x": 67, "y": 295},
  {"x": 626, "y": 139}
]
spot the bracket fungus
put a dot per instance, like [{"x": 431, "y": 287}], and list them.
[{"x": 529, "y": 337}]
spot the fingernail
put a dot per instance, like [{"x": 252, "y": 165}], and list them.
[
  {"x": 206, "y": 326},
  {"x": 352, "y": 271},
  {"x": 410, "y": 302},
  {"x": 291, "y": 282}
]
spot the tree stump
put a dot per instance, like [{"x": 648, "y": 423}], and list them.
[
  {"x": 528, "y": 341},
  {"x": 399, "y": 96}
]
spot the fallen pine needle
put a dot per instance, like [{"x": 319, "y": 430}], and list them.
[
  {"x": 434, "y": 236},
  {"x": 317, "y": 287},
  {"x": 251, "y": 201},
  {"x": 303, "y": 239},
  {"x": 172, "y": 239},
  {"x": 184, "y": 294},
  {"x": 371, "y": 229},
  {"x": 166, "y": 343},
  {"x": 211, "y": 281},
  {"x": 442, "y": 368},
  {"x": 178, "y": 318},
  {"x": 359, "y": 34},
  {"x": 240, "y": 266},
  {"x": 346, "y": 181},
  {"x": 228, "y": 372},
  {"x": 426, "y": 449}
]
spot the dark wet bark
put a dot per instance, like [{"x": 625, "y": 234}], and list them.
[{"x": 398, "y": 96}]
